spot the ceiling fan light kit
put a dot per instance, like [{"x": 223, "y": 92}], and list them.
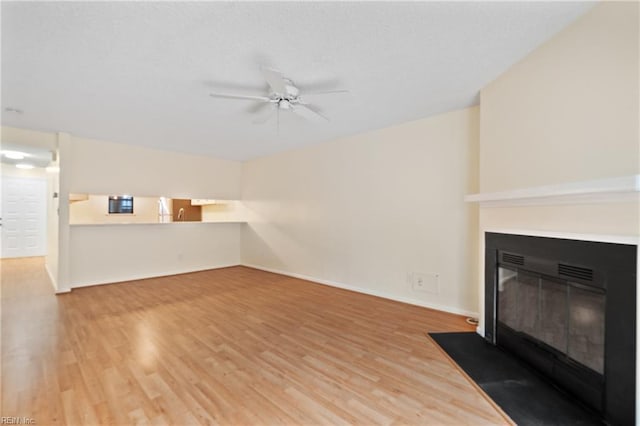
[{"x": 284, "y": 95}]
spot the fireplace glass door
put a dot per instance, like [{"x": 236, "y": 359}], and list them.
[{"x": 568, "y": 318}]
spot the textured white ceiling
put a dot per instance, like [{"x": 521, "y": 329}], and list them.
[{"x": 140, "y": 72}]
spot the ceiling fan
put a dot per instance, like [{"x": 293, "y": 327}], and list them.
[{"x": 283, "y": 95}]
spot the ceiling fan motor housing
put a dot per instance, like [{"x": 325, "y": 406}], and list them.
[
  {"x": 284, "y": 104},
  {"x": 284, "y": 94}
]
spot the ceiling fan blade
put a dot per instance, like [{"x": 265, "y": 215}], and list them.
[
  {"x": 308, "y": 113},
  {"x": 325, "y": 92},
  {"x": 243, "y": 97},
  {"x": 275, "y": 79}
]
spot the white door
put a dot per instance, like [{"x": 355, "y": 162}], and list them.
[{"x": 24, "y": 217}]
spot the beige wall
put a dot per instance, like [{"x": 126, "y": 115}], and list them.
[
  {"x": 229, "y": 210},
  {"x": 13, "y": 135},
  {"x": 99, "y": 167},
  {"x": 53, "y": 226},
  {"x": 619, "y": 218},
  {"x": 366, "y": 211},
  {"x": 83, "y": 255},
  {"x": 111, "y": 253},
  {"x": 104, "y": 253},
  {"x": 569, "y": 110}
]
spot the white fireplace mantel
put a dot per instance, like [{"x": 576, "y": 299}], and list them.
[
  {"x": 625, "y": 188},
  {"x": 601, "y": 238}
]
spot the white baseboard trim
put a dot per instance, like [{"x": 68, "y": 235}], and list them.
[
  {"x": 147, "y": 276},
  {"x": 376, "y": 293},
  {"x": 54, "y": 282}
]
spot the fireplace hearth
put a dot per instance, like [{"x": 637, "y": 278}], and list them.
[{"x": 567, "y": 308}]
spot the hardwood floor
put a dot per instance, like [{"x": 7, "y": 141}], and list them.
[{"x": 227, "y": 346}]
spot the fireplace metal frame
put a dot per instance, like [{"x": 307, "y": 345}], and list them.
[{"x": 614, "y": 269}]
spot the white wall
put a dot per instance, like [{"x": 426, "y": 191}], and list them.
[
  {"x": 364, "y": 212},
  {"x": 107, "y": 253}
]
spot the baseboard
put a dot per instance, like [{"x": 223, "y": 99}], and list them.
[
  {"x": 376, "y": 293},
  {"x": 146, "y": 276},
  {"x": 330, "y": 283},
  {"x": 54, "y": 281}
]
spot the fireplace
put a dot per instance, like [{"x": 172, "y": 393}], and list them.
[{"x": 568, "y": 309}]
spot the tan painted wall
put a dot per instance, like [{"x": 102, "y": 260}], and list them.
[
  {"x": 364, "y": 212},
  {"x": 229, "y": 210},
  {"x": 569, "y": 110},
  {"x": 83, "y": 255},
  {"x": 108, "y": 168},
  {"x": 97, "y": 253},
  {"x": 46, "y": 140},
  {"x": 111, "y": 253},
  {"x": 620, "y": 218}
]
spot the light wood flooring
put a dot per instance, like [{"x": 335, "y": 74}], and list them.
[{"x": 233, "y": 346}]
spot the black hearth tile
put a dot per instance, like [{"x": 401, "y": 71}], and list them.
[{"x": 524, "y": 395}]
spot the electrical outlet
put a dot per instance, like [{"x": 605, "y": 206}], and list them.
[{"x": 425, "y": 282}]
